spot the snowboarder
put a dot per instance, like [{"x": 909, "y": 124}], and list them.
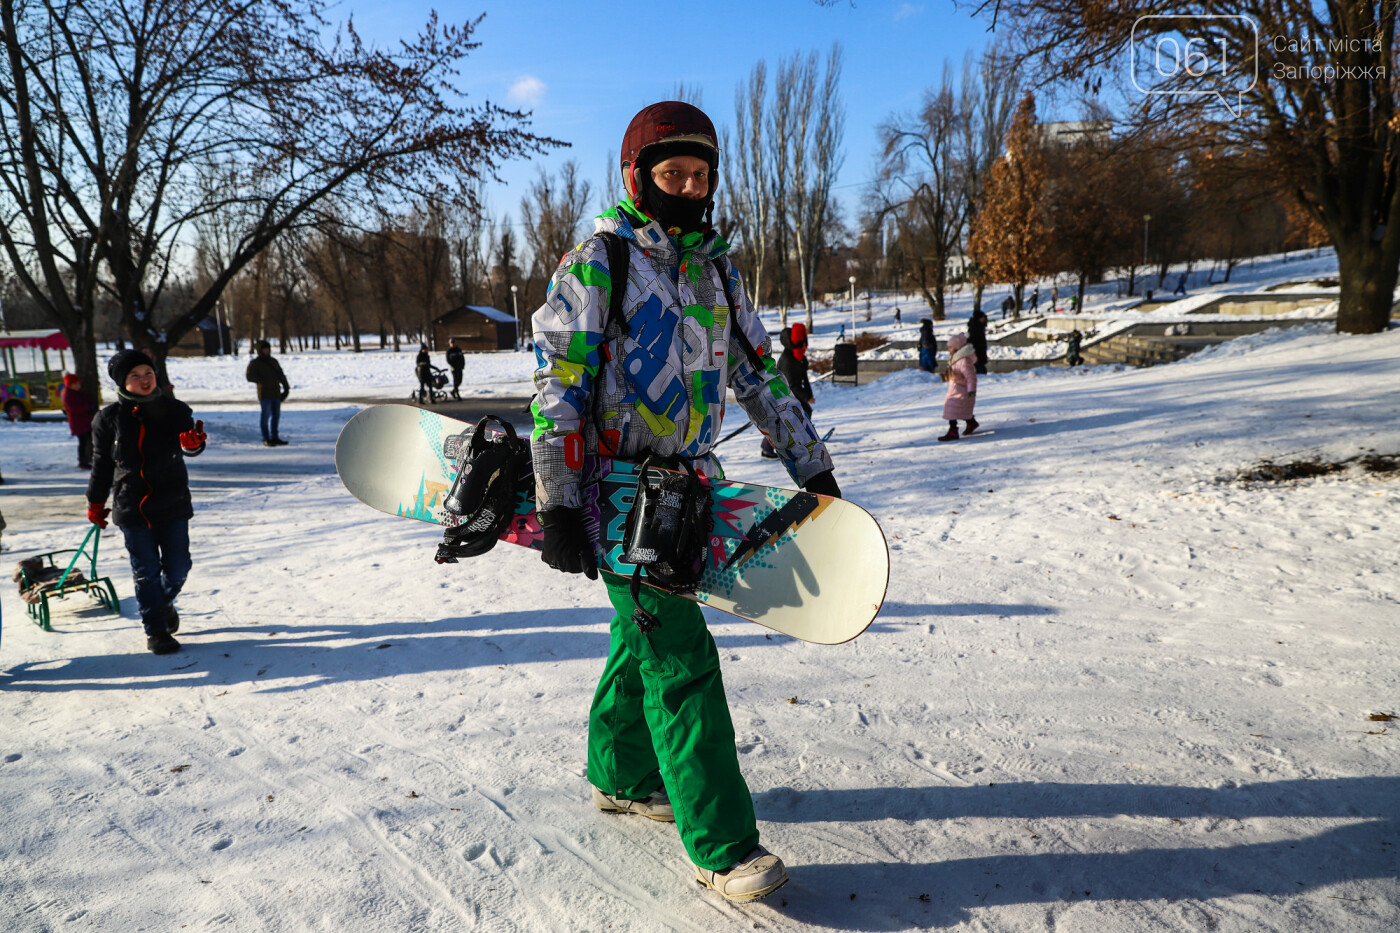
[
  {"x": 140, "y": 443},
  {"x": 962, "y": 387},
  {"x": 79, "y": 408},
  {"x": 928, "y": 346},
  {"x": 977, "y": 336},
  {"x": 660, "y": 739},
  {"x": 1072, "y": 351},
  {"x": 793, "y": 365},
  {"x": 273, "y": 390},
  {"x": 456, "y": 361}
]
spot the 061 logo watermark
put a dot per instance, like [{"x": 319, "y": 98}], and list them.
[{"x": 1206, "y": 55}]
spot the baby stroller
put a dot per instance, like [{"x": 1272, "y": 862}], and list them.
[{"x": 435, "y": 385}]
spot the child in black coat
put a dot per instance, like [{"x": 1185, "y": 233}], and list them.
[{"x": 140, "y": 443}]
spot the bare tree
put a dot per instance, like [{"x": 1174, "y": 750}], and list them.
[
  {"x": 923, "y": 184},
  {"x": 551, "y": 213},
  {"x": 747, "y": 177},
  {"x": 778, "y": 182},
  {"x": 110, "y": 110},
  {"x": 818, "y": 124}
]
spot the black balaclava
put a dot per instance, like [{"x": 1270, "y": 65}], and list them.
[{"x": 674, "y": 210}]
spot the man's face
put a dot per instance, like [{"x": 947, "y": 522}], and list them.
[
  {"x": 141, "y": 380},
  {"x": 685, "y": 176}
]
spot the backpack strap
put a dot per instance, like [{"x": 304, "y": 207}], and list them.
[
  {"x": 754, "y": 360},
  {"x": 619, "y": 264}
]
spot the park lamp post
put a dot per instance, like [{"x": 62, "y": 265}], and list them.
[
  {"x": 515, "y": 312},
  {"x": 1146, "y": 219},
  {"x": 852, "y": 280}
]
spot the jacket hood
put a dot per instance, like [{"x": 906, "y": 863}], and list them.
[{"x": 627, "y": 221}]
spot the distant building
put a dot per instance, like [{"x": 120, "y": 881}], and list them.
[
  {"x": 477, "y": 329},
  {"x": 1073, "y": 132}
]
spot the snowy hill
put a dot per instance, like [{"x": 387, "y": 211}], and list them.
[{"x": 1112, "y": 688}]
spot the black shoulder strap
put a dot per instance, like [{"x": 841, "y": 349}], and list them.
[
  {"x": 735, "y": 329},
  {"x": 619, "y": 264}
]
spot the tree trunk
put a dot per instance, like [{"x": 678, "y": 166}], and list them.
[{"x": 1368, "y": 286}]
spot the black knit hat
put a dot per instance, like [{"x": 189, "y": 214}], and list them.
[{"x": 123, "y": 362}]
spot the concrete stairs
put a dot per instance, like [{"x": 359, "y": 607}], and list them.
[{"x": 1137, "y": 350}]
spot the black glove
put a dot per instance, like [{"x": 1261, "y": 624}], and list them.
[
  {"x": 282, "y": 396},
  {"x": 823, "y": 484},
  {"x": 566, "y": 544}
]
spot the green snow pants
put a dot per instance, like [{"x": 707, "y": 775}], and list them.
[{"x": 660, "y": 717}]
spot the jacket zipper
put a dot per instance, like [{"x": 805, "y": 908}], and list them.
[{"x": 141, "y": 449}]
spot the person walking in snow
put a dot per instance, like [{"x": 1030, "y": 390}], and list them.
[
  {"x": 423, "y": 369},
  {"x": 793, "y": 365},
  {"x": 79, "y": 407},
  {"x": 456, "y": 361},
  {"x": 140, "y": 443},
  {"x": 928, "y": 346},
  {"x": 273, "y": 390},
  {"x": 660, "y": 739},
  {"x": 1035, "y": 298},
  {"x": 1054, "y": 298},
  {"x": 977, "y": 336},
  {"x": 1180, "y": 285},
  {"x": 962, "y": 387},
  {"x": 896, "y": 314}
]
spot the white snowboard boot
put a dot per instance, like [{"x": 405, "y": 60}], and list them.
[
  {"x": 656, "y": 806},
  {"x": 756, "y": 875}
]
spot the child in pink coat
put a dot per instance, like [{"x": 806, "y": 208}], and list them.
[{"x": 962, "y": 386}]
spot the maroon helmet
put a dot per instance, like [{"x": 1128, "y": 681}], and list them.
[{"x": 672, "y": 122}]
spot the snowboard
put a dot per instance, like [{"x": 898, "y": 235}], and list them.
[{"x": 809, "y": 566}]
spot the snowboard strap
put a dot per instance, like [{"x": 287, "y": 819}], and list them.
[
  {"x": 483, "y": 496},
  {"x": 665, "y": 533}
]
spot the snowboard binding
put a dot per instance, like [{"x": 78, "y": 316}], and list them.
[
  {"x": 666, "y": 533},
  {"x": 483, "y": 494}
]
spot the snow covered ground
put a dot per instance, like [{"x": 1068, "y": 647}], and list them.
[{"x": 1109, "y": 689}]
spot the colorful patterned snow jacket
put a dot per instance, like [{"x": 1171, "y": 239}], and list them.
[{"x": 661, "y": 371}]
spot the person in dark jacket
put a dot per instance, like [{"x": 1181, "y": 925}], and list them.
[
  {"x": 423, "y": 368},
  {"x": 977, "y": 336},
  {"x": 456, "y": 361},
  {"x": 928, "y": 347},
  {"x": 792, "y": 363},
  {"x": 1072, "y": 356},
  {"x": 79, "y": 408},
  {"x": 140, "y": 443},
  {"x": 272, "y": 392}
]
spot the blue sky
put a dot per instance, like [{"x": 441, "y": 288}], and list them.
[{"x": 585, "y": 69}]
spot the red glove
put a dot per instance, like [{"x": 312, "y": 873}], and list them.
[
  {"x": 97, "y": 514},
  {"x": 194, "y": 440}
]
